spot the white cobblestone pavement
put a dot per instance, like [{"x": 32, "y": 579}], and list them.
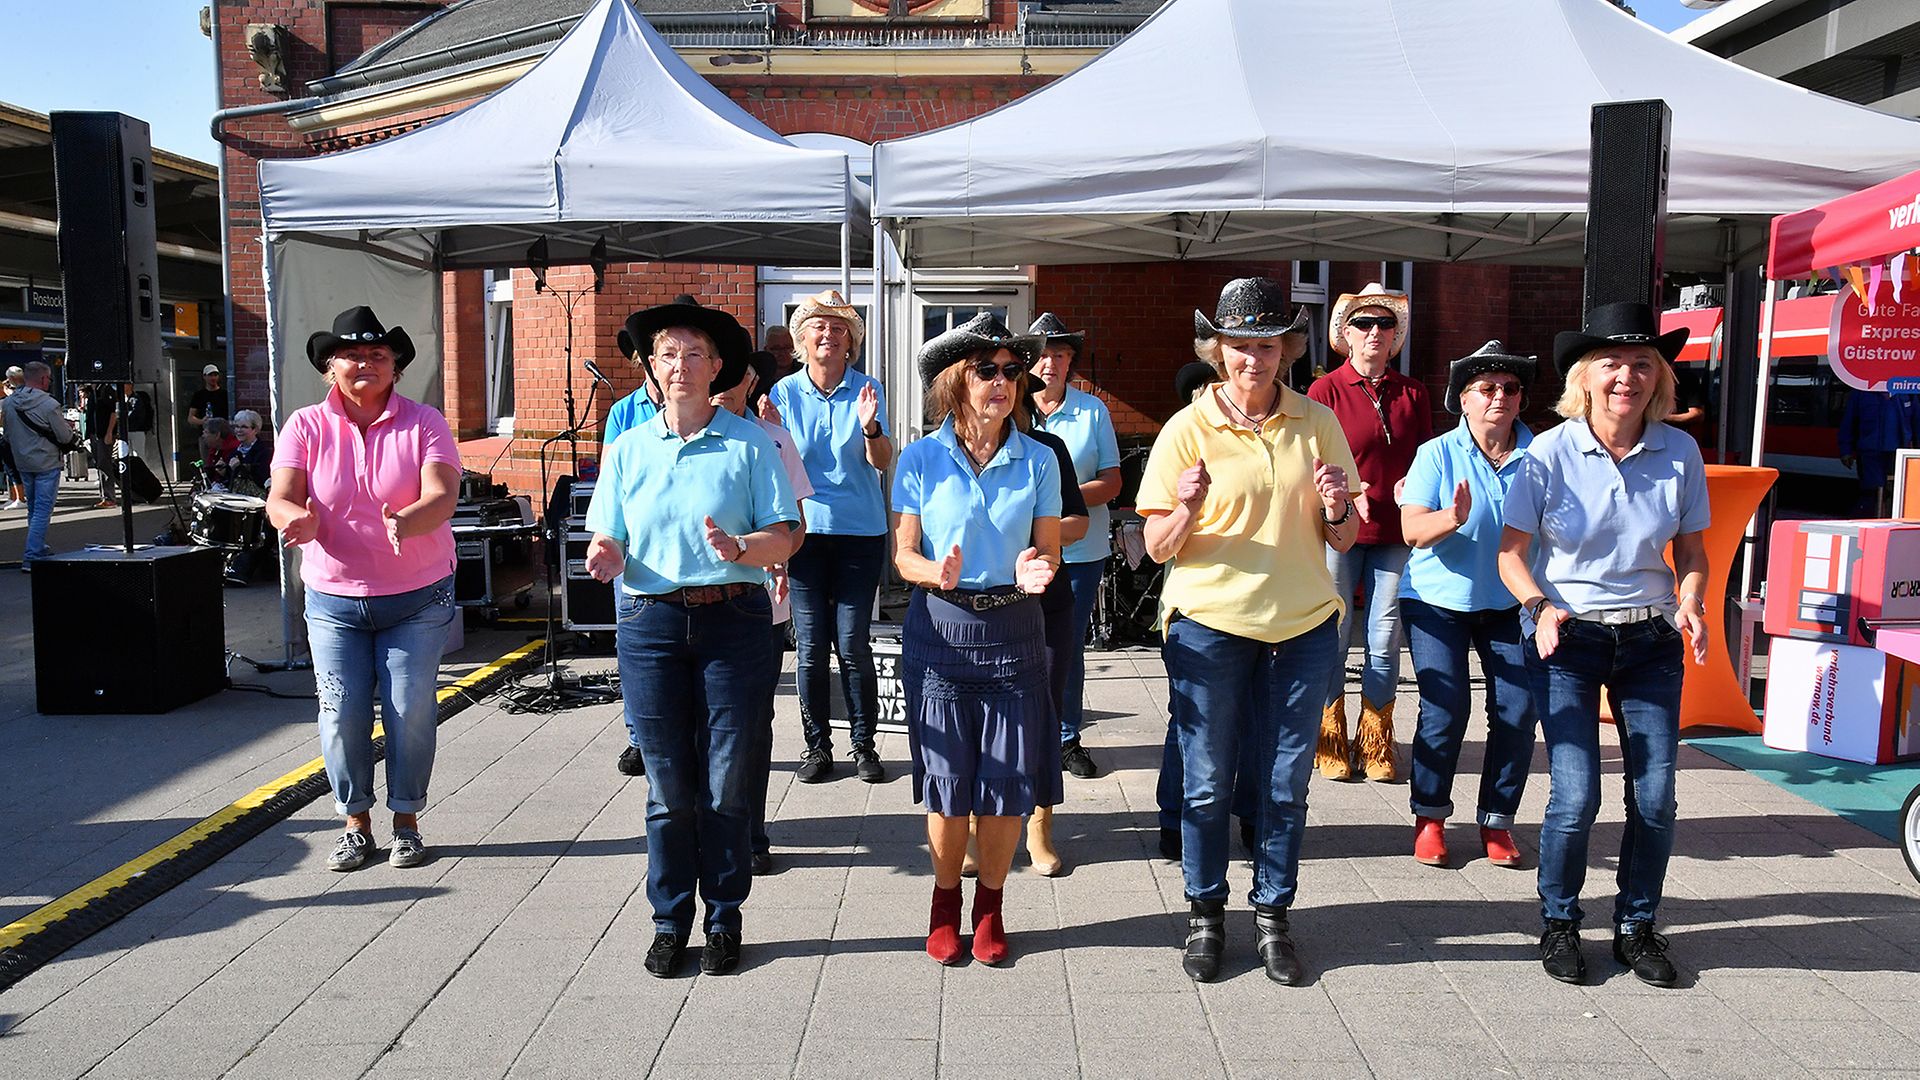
[{"x": 516, "y": 951}]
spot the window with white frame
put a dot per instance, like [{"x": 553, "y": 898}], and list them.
[
  {"x": 1398, "y": 277},
  {"x": 499, "y": 291}
]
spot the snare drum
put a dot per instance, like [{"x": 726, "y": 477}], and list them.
[{"x": 228, "y": 521}]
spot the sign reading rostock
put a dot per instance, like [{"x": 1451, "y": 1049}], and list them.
[{"x": 1876, "y": 348}]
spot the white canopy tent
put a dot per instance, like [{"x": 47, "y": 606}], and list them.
[
  {"x": 1399, "y": 129},
  {"x": 610, "y": 136}
]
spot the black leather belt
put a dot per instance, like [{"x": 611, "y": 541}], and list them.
[{"x": 981, "y": 599}]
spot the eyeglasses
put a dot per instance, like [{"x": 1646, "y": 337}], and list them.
[
  {"x": 1364, "y": 323},
  {"x": 692, "y": 357},
  {"x": 1012, "y": 369},
  {"x": 1492, "y": 390}
]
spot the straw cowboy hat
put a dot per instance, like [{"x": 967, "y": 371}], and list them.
[
  {"x": 1374, "y": 295},
  {"x": 1488, "y": 358},
  {"x": 833, "y": 305},
  {"x": 356, "y": 326},
  {"x": 636, "y": 338},
  {"x": 1624, "y": 323},
  {"x": 983, "y": 331},
  {"x": 1049, "y": 327}
]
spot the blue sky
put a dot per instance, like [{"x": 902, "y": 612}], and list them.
[{"x": 147, "y": 58}]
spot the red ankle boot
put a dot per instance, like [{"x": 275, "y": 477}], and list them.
[
  {"x": 989, "y": 931},
  {"x": 943, "y": 926}
]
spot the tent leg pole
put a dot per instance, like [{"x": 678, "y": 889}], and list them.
[
  {"x": 846, "y": 259},
  {"x": 1748, "y": 571}
]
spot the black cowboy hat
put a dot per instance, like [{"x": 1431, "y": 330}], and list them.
[
  {"x": 1493, "y": 356},
  {"x": 1250, "y": 308},
  {"x": 1624, "y": 323},
  {"x": 1050, "y": 329},
  {"x": 983, "y": 331},
  {"x": 636, "y": 338},
  {"x": 358, "y": 326},
  {"x": 764, "y": 365},
  {"x": 1192, "y": 376}
]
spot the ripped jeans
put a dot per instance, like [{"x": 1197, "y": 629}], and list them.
[{"x": 384, "y": 648}]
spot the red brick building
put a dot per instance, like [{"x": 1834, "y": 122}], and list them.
[{"x": 845, "y": 73}]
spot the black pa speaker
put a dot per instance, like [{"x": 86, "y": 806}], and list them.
[
  {"x": 103, "y": 185},
  {"x": 119, "y": 633},
  {"x": 1627, "y": 202}
]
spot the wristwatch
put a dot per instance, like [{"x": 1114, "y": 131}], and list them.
[
  {"x": 1534, "y": 608},
  {"x": 741, "y": 543},
  {"x": 875, "y": 433}
]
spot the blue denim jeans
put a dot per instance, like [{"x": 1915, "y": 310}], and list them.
[
  {"x": 694, "y": 683},
  {"x": 1373, "y": 569},
  {"x": 384, "y": 648},
  {"x": 758, "y": 772},
  {"x": 1083, "y": 580},
  {"x": 1639, "y": 664},
  {"x": 833, "y": 581},
  {"x": 1438, "y": 639},
  {"x": 1247, "y": 707},
  {"x": 43, "y": 490}
]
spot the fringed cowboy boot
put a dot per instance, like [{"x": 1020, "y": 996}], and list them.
[
  {"x": 1046, "y": 859},
  {"x": 1374, "y": 744},
  {"x": 1333, "y": 757}
]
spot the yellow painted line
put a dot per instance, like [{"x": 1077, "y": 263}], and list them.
[{"x": 14, "y": 934}]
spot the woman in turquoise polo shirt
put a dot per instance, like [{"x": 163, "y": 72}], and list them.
[
  {"x": 1081, "y": 421},
  {"x": 976, "y": 518},
  {"x": 1453, "y": 601},
  {"x": 691, "y": 508}
]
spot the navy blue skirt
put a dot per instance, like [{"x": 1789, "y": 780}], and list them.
[{"x": 980, "y": 719}]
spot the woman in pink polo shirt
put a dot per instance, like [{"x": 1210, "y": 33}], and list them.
[{"x": 365, "y": 483}]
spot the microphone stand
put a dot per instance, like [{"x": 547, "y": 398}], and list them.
[{"x": 554, "y": 692}]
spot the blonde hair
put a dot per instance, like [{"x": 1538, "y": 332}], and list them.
[
  {"x": 1293, "y": 347},
  {"x": 1576, "y": 404},
  {"x": 948, "y": 391}
]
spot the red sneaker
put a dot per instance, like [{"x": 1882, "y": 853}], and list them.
[
  {"x": 1500, "y": 848},
  {"x": 1430, "y": 841}
]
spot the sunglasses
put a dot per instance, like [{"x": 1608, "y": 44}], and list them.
[
  {"x": 1492, "y": 390},
  {"x": 1012, "y": 369},
  {"x": 1364, "y": 323}
]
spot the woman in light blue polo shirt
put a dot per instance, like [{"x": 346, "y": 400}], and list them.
[
  {"x": 1081, "y": 421},
  {"x": 838, "y": 418},
  {"x": 1452, "y": 601},
  {"x": 1599, "y": 499},
  {"x": 691, "y": 508},
  {"x": 976, "y": 512}
]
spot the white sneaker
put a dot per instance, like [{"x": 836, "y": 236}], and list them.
[{"x": 16, "y": 504}]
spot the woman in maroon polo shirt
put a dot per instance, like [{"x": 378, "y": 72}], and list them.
[{"x": 1386, "y": 417}]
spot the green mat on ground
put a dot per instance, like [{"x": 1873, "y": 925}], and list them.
[{"x": 1867, "y": 795}]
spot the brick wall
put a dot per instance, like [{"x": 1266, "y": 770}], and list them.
[{"x": 355, "y": 28}]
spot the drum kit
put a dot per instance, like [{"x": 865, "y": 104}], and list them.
[{"x": 221, "y": 519}]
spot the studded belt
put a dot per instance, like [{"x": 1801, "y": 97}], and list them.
[
  {"x": 696, "y": 595},
  {"x": 1621, "y": 616},
  {"x": 981, "y": 600}
]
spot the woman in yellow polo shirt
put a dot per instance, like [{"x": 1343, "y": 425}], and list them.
[{"x": 1243, "y": 493}]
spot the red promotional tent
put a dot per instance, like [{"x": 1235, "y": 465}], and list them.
[{"x": 1866, "y": 225}]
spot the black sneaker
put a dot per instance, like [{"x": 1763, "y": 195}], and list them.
[
  {"x": 630, "y": 763},
  {"x": 663, "y": 956},
  {"x": 1560, "y": 951},
  {"x": 1274, "y": 946},
  {"x": 1170, "y": 844},
  {"x": 1206, "y": 939},
  {"x": 1645, "y": 954},
  {"x": 815, "y": 765},
  {"x": 721, "y": 956},
  {"x": 761, "y": 863},
  {"x": 1075, "y": 759},
  {"x": 866, "y": 765}
]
